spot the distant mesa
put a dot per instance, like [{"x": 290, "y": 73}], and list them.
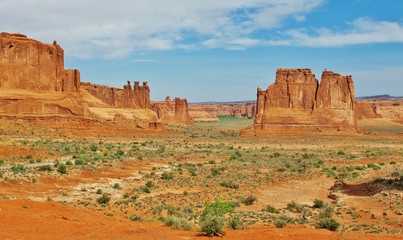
[
  {"x": 296, "y": 101},
  {"x": 34, "y": 85}
]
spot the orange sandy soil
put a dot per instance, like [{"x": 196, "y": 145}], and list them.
[{"x": 25, "y": 219}]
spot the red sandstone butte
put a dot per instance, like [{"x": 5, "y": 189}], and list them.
[
  {"x": 296, "y": 101},
  {"x": 33, "y": 80},
  {"x": 173, "y": 111}
]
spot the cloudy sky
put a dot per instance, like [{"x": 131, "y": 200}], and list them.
[{"x": 218, "y": 50}]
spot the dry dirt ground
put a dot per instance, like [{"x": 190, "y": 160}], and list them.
[{"x": 128, "y": 188}]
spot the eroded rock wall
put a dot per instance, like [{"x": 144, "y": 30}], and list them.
[
  {"x": 296, "y": 100},
  {"x": 136, "y": 97},
  {"x": 33, "y": 80}
]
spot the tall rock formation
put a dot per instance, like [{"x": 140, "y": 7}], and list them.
[
  {"x": 296, "y": 100},
  {"x": 33, "y": 80},
  {"x": 173, "y": 111},
  {"x": 137, "y": 97}
]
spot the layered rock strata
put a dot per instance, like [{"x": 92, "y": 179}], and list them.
[{"x": 296, "y": 100}]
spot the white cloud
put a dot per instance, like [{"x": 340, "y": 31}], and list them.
[
  {"x": 118, "y": 28},
  {"x": 361, "y": 31}
]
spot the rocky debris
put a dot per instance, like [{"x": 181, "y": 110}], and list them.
[
  {"x": 296, "y": 101},
  {"x": 365, "y": 110},
  {"x": 173, "y": 111}
]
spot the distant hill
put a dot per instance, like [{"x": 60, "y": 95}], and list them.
[{"x": 379, "y": 96}]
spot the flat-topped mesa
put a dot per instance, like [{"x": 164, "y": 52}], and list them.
[
  {"x": 134, "y": 97},
  {"x": 34, "y": 66},
  {"x": 173, "y": 111},
  {"x": 296, "y": 100},
  {"x": 33, "y": 80}
]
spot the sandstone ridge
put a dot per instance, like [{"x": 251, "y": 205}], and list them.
[{"x": 296, "y": 101}]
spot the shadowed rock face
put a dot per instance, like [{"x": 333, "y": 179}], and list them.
[
  {"x": 297, "y": 101},
  {"x": 33, "y": 80},
  {"x": 365, "y": 110},
  {"x": 173, "y": 111}
]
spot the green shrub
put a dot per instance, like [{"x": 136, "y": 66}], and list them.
[
  {"x": 45, "y": 168},
  {"x": 69, "y": 163},
  {"x": 116, "y": 186},
  {"x": 326, "y": 211},
  {"x": 212, "y": 224},
  {"x": 178, "y": 223},
  {"x": 18, "y": 168},
  {"x": 317, "y": 203},
  {"x": 235, "y": 223},
  {"x": 79, "y": 161},
  {"x": 93, "y": 148},
  {"x": 328, "y": 223},
  {"x": 167, "y": 176},
  {"x": 135, "y": 218},
  {"x": 282, "y": 221},
  {"x": 120, "y": 152},
  {"x": 61, "y": 168},
  {"x": 270, "y": 209},
  {"x": 104, "y": 199}
]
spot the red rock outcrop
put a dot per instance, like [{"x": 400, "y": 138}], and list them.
[
  {"x": 173, "y": 111},
  {"x": 297, "y": 101},
  {"x": 365, "y": 110},
  {"x": 35, "y": 85},
  {"x": 33, "y": 80},
  {"x": 137, "y": 97}
]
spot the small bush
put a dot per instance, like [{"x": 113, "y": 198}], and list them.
[
  {"x": 230, "y": 184},
  {"x": 328, "y": 223},
  {"x": 61, "y": 168},
  {"x": 317, "y": 203},
  {"x": 167, "y": 176},
  {"x": 235, "y": 223},
  {"x": 326, "y": 211},
  {"x": 45, "y": 168},
  {"x": 116, "y": 186},
  {"x": 135, "y": 218},
  {"x": 282, "y": 221},
  {"x": 104, "y": 199},
  {"x": 212, "y": 224},
  {"x": 341, "y": 153},
  {"x": 270, "y": 209},
  {"x": 19, "y": 168},
  {"x": 178, "y": 223},
  {"x": 249, "y": 200}
]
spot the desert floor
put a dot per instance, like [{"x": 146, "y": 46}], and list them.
[{"x": 156, "y": 186}]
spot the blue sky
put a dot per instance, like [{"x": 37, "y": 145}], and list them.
[{"x": 218, "y": 50}]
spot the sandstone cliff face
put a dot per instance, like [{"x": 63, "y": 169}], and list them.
[
  {"x": 173, "y": 111},
  {"x": 137, "y": 97},
  {"x": 365, "y": 110},
  {"x": 33, "y": 80},
  {"x": 297, "y": 101}
]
